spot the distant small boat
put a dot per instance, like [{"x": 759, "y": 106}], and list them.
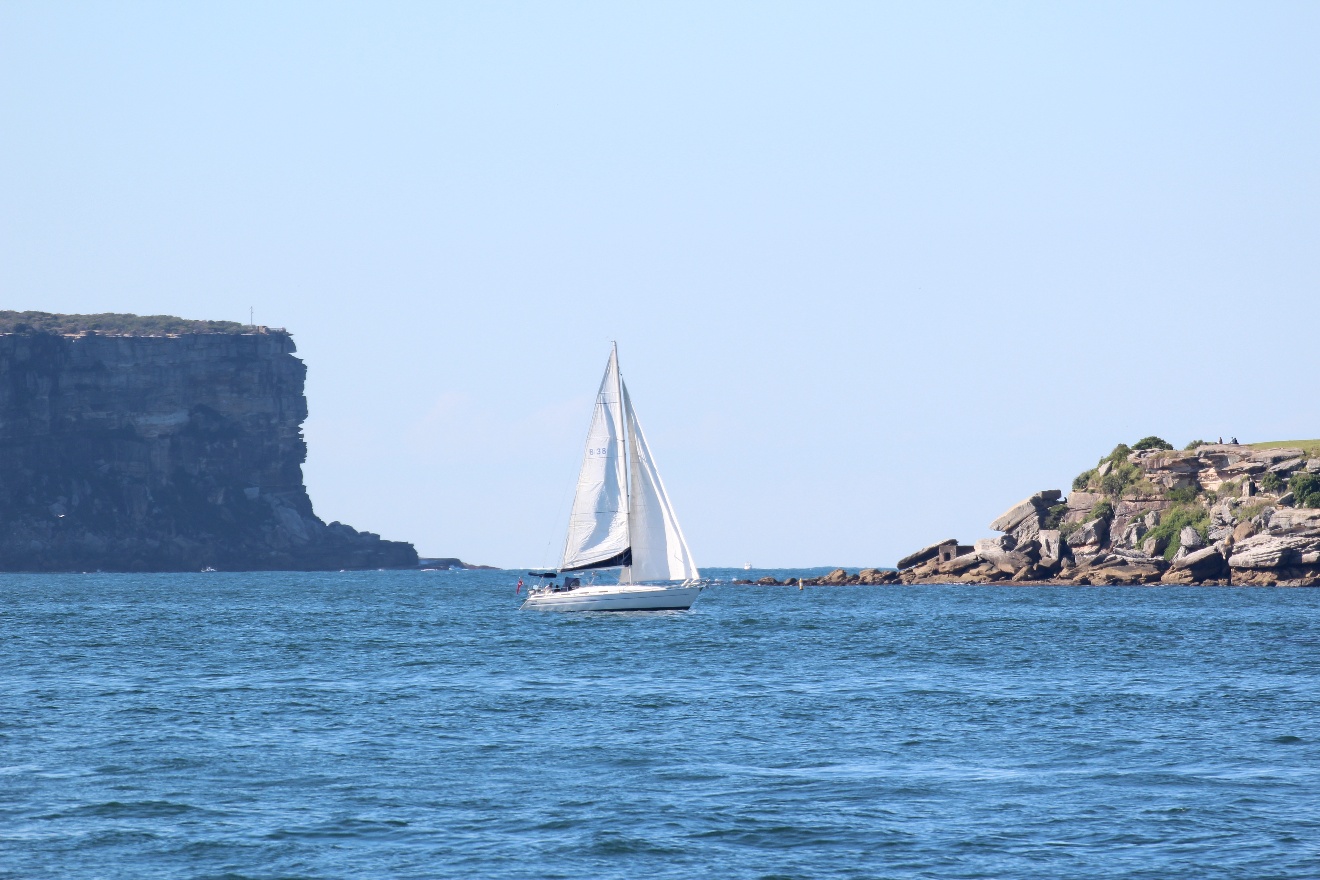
[
  {"x": 621, "y": 518},
  {"x": 747, "y": 566}
]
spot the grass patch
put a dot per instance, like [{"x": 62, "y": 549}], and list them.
[
  {"x": 1229, "y": 489},
  {"x": 1250, "y": 511},
  {"x": 1310, "y": 448}
]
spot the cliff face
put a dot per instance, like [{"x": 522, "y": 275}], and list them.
[{"x": 162, "y": 453}]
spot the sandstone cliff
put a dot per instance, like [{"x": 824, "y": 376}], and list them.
[
  {"x": 178, "y": 451},
  {"x": 1220, "y": 513}
]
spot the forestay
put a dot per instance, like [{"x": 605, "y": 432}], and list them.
[
  {"x": 659, "y": 551},
  {"x": 598, "y": 525}
]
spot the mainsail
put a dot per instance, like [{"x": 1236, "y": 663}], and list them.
[
  {"x": 659, "y": 552},
  {"x": 598, "y": 526}
]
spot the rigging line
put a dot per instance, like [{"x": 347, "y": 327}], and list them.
[{"x": 623, "y": 445}]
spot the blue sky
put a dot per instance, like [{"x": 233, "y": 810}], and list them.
[{"x": 876, "y": 271}]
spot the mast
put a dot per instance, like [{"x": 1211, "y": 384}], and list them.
[{"x": 623, "y": 441}]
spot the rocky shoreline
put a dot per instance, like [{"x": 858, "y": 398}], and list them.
[
  {"x": 837, "y": 578},
  {"x": 1211, "y": 514}
]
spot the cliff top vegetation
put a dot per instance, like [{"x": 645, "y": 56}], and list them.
[
  {"x": 118, "y": 324},
  {"x": 1310, "y": 448}
]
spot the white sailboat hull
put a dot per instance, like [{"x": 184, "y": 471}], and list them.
[{"x": 619, "y": 597}]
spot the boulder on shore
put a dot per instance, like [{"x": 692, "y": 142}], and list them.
[
  {"x": 1205, "y": 564},
  {"x": 1019, "y": 513},
  {"x": 1091, "y": 537},
  {"x": 1273, "y": 551},
  {"x": 926, "y": 553}
]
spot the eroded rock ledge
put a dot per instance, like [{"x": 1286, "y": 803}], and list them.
[
  {"x": 1210, "y": 514},
  {"x": 141, "y": 449}
]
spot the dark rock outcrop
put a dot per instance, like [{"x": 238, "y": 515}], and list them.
[
  {"x": 839, "y": 577},
  {"x": 162, "y": 453}
]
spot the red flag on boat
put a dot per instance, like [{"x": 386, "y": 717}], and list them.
[{"x": 519, "y": 588}]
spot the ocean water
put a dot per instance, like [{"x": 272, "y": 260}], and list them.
[{"x": 416, "y": 725}]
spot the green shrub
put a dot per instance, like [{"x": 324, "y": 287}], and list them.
[
  {"x": 1118, "y": 456},
  {"x": 1193, "y": 445},
  {"x": 1271, "y": 483},
  {"x": 1174, "y": 520},
  {"x": 1120, "y": 478},
  {"x": 1183, "y": 494},
  {"x": 1306, "y": 489},
  {"x": 1152, "y": 442},
  {"x": 1067, "y": 530},
  {"x": 1054, "y": 516},
  {"x": 111, "y": 323},
  {"x": 1302, "y": 483},
  {"x": 1102, "y": 509},
  {"x": 1082, "y": 480}
]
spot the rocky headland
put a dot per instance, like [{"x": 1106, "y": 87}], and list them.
[
  {"x": 1213, "y": 513},
  {"x": 134, "y": 443}
]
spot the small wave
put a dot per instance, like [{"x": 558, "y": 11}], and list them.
[
  {"x": 614, "y": 844},
  {"x": 344, "y": 828},
  {"x": 134, "y": 809}
]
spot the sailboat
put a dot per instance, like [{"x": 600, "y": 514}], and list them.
[{"x": 622, "y": 519}]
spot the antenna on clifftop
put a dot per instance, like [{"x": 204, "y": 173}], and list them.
[{"x": 251, "y": 322}]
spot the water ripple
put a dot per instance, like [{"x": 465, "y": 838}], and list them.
[{"x": 414, "y": 725}]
